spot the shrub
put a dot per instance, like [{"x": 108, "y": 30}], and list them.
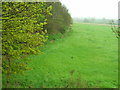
[{"x": 22, "y": 33}]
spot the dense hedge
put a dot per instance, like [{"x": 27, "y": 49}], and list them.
[
  {"x": 22, "y": 33},
  {"x": 60, "y": 19},
  {"x": 25, "y": 26}
]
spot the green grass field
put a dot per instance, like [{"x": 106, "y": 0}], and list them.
[{"x": 87, "y": 57}]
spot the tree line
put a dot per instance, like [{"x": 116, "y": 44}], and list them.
[
  {"x": 95, "y": 20},
  {"x": 26, "y": 26}
]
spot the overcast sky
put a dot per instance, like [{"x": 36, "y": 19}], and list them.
[{"x": 92, "y": 8}]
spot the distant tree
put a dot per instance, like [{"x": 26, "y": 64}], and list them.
[
  {"x": 60, "y": 19},
  {"x": 86, "y": 20},
  {"x": 93, "y": 20}
]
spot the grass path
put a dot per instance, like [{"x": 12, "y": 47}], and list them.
[{"x": 85, "y": 58}]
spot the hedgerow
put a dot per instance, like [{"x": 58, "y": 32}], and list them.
[
  {"x": 22, "y": 33},
  {"x": 25, "y": 28},
  {"x": 60, "y": 20}
]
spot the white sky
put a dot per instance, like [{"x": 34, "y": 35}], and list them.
[{"x": 92, "y": 8}]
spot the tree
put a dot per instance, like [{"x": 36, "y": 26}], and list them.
[
  {"x": 23, "y": 32},
  {"x": 60, "y": 19}
]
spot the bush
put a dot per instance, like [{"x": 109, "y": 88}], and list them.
[{"x": 23, "y": 32}]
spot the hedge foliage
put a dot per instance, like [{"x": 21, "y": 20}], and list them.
[
  {"x": 60, "y": 20},
  {"x": 25, "y": 27},
  {"x": 22, "y": 33}
]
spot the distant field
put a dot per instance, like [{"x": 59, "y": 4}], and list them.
[
  {"x": 116, "y": 25},
  {"x": 86, "y": 57},
  {"x": 97, "y": 24}
]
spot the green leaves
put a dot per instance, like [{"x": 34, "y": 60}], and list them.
[
  {"x": 59, "y": 20},
  {"x": 23, "y": 32}
]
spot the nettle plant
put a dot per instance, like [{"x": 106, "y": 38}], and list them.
[{"x": 23, "y": 33}]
